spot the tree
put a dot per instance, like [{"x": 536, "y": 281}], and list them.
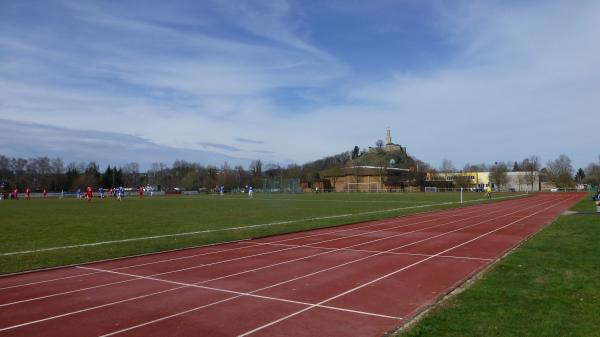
[
  {"x": 447, "y": 166},
  {"x": 72, "y": 175},
  {"x": 579, "y": 176},
  {"x": 498, "y": 175},
  {"x": 355, "y": 152},
  {"x": 531, "y": 165},
  {"x": 475, "y": 168},
  {"x": 516, "y": 167},
  {"x": 379, "y": 144},
  {"x": 108, "y": 178},
  {"x": 257, "y": 172},
  {"x": 460, "y": 180},
  {"x": 560, "y": 171},
  {"x": 592, "y": 173},
  {"x": 131, "y": 173}
]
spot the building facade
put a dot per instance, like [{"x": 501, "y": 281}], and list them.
[
  {"x": 515, "y": 181},
  {"x": 366, "y": 179}
]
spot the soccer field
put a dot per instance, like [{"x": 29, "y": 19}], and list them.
[{"x": 44, "y": 233}]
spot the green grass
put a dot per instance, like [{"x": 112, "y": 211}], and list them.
[
  {"x": 39, "y": 224},
  {"x": 548, "y": 287}
]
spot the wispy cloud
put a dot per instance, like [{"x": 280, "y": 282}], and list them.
[
  {"x": 22, "y": 139},
  {"x": 308, "y": 81},
  {"x": 247, "y": 140},
  {"x": 219, "y": 146}
]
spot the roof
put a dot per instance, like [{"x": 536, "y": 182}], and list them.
[{"x": 361, "y": 171}]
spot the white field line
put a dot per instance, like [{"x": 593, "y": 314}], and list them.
[
  {"x": 395, "y": 272},
  {"x": 290, "y": 247},
  {"x": 92, "y": 244},
  {"x": 400, "y": 200},
  {"x": 204, "y": 306},
  {"x": 329, "y": 200},
  {"x": 436, "y": 214},
  {"x": 214, "y": 303}
]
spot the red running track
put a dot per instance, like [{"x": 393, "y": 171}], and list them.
[{"x": 355, "y": 280}]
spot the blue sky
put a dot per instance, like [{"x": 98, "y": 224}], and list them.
[{"x": 293, "y": 81}]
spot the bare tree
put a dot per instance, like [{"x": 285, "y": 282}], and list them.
[
  {"x": 531, "y": 165},
  {"x": 592, "y": 173},
  {"x": 256, "y": 170},
  {"x": 460, "y": 180},
  {"x": 447, "y": 166},
  {"x": 560, "y": 171},
  {"x": 498, "y": 175}
]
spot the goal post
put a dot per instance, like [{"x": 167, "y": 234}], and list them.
[
  {"x": 363, "y": 187},
  {"x": 431, "y": 189}
]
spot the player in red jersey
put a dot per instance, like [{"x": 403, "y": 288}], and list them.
[
  {"x": 15, "y": 194},
  {"x": 89, "y": 193},
  {"x": 141, "y": 192},
  {"x": 27, "y": 194},
  {"x": 45, "y": 194}
]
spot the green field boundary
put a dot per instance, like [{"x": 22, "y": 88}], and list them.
[
  {"x": 548, "y": 285},
  {"x": 337, "y": 216}
]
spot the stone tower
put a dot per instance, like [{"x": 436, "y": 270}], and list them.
[{"x": 388, "y": 136}]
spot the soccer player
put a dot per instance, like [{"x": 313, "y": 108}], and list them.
[
  {"x": 141, "y": 192},
  {"x": 250, "y": 192},
  {"x": 45, "y": 193},
  {"x": 110, "y": 192},
  {"x": 101, "y": 191},
  {"x": 15, "y": 194},
  {"x": 78, "y": 193},
  {"x": 89, "y": 193},
  {"x": 27, "y": 194},
  {"x": 488, "y": 193},
  {"x": 120, "y": 193}
]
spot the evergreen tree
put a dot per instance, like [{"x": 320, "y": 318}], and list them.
[
  {"x": 107, "y": 178},
  {"x": 580, "y": 175}
]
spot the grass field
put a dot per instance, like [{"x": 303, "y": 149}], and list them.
[
  {"x": 548, "y": 287},
  {"x": 38, "y": 226}
]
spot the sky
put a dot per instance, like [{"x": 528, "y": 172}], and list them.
[{"x": 292, "y": 81}]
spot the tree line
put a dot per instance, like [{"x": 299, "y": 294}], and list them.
[
  {"x": 558, "y": 171},
  {"x": 52, "y": 174}
]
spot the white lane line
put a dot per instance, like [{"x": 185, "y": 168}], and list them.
[
  {"x": 152, "y": 237},
  {"x": 143, "y": 296},
  {"x": 238, "y": 295},
  {"x": 378, "y": 223},
  {"x": 394, "y": 272},
  {"x": 435, "y": 213},
  {"x": 181, "y": 285},
  {"x": 254, "y": 291},
  {"x": 496, "y": 209},
  {"x": 376, "y": 251}
]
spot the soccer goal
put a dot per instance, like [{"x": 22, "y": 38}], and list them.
[
  {"x": 431, "y": 189},
  {"x": 364, "y": 187}
]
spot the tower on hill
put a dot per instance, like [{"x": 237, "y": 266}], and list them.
[
  {"x": 388, "y": 145},
  {"x": 388, "y": 136}
]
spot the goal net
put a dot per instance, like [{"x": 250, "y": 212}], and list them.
[
  {"x": 431, "y": 189},
  {"x": 364, "y": 187}
]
